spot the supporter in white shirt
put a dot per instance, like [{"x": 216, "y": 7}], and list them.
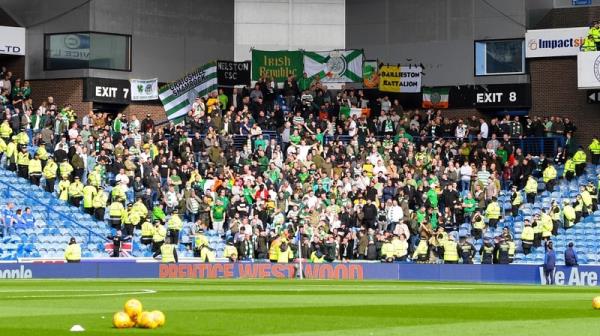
[
  {"x": 395, "y": 213},
  {"x": 379, "y": 168},
  {"x": 483, "y": 130},
  {"x": 122, "y": 178}
]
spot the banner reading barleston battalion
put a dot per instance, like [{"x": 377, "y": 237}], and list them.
[
  {"x": 588, "y": 70},
  {"x": 231, "y": 73},
  {"x": 177, "y": 97},
  {"x": 144, "y": 89},
  {"x": 336, "y": 66},
  {"x": 277, "y": 65},
  {"x": 393, "y": 78}
]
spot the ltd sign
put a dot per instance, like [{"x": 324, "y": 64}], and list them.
[
  {"x": 104, "y": 90},
  {"x": 12, "y": 40}
]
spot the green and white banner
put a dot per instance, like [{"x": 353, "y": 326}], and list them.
[
  {"x": 334, "y": 66},
  {"x": 144, "y": 89},
  {"x": 177, "y": 97}
]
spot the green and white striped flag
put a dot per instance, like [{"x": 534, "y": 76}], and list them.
[
  {"x": 334, "y": 66},
  {"x": 177, "y": 97}
]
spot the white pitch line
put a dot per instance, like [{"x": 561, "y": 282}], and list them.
[{"x": 143, "y": 291}]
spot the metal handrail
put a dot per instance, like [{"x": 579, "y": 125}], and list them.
[{"x": 50, "y": 209}]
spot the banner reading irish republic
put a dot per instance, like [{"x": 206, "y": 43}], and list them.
[
  {"x": 177, "y": 97},
  {"x": 277, "y": 65},
  {"x": 337, "y": 66}
]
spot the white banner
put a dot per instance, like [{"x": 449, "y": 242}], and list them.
[
  {"x": 144, "y": 89},
  {"x": 12, "y": 40},
  {"x": 554, "y": 42},
  {"x": 588, "y": 70}
]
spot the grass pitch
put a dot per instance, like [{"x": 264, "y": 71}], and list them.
[{"x": 296, "y": 307}]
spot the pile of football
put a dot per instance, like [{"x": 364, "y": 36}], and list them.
[{"x": 133, "y": 315}]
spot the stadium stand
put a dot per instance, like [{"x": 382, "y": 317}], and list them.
[{"x": 333, "y": 184}]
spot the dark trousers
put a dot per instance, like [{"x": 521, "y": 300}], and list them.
[
  {"x": 579, "y": 168},
  {"x": 73, "y": 261},
  {"x": 537, "y": 239},
  {"x": 156, "y": 248},
  {"x": 35, "y": 179},
  {"x": 493, "y": 222},
  {"x": 174, "y": 235},
  {"x": 550, "y": 185},
  {"x": 89, "y": 211},
  {"x": 99, "y": 214},
  {"x": 530, "y": 198},
  {"x": 450, "y": 262},
  {"x": 515, "y": 210},
  {"x": 526, "y": 247},
  {"x": 75, "y": 201},
  {"x": 555, "y": 226},
  {"x": 569, "y": 176},
  {"x": 50, "y": 185},
  {"x": 115, "y": 223},
  {"x": 146, "y": 240},
  {"x": 22, "y": 171},
  {"x": 595, "y": 158},
  {"x": 477, "y": 233},
  {"x": 549, "y": 274},
  {"x": 128, "y": 230}
]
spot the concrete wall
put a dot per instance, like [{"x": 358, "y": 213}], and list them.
[
  {"x": 288, "y": 25},
  {"x": 437, "y": 33},
  {"x": 169, "y": 38}
]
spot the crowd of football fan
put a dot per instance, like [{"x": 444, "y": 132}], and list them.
[{"x": 390, "y": 184}]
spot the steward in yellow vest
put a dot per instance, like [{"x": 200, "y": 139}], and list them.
[
  {"x": 549, "y": 177},
  {"x": 49, "y": 173},
  {"x": 35, "y": 170},
  {"x": 317, "y": 257},
  {"x": 43, "y": 153},
  {"x": 99, "y": 203},
  {"x": 568, "y": 215},
  {"x": 594, "y": 148},
  {"x": 515, "y": 200},
  {"x": 556, "y": 216},
  {"x": 65, "y": 169},
  {"x": 387, "y": 251},
  {"x": 284, "y": 253},
  {"x": 589, "y": 44},
  {"x": 230, "y": 252},
  {"x": 587, "y": 201},
  {"x": 76, "y": 192},
  {"x": 115, "y": 211},
  {"x": 23, "y": 163},
  {"x": 531, "y": 189},
  {"x": 579, "y": 158},
  {"x": 63, "y": 189},
  {"x": 89, "y": 192},
  {"x": 527, "y": 237},
  {"x": 478, "y": 225},
  {"x": 5, "y": 130},
  {"x": 159, "y": 236},
  {"x": 94, "y": 177},
  {"x": 175, "y": 225},
  {"x": 569, "y": 171},
  {"x": 421, "y": 254},
  {"x": 11, "y": 155},
  {"x": 147, "y": 233},
  {"x": 492, "y": 212},
  {"x": 451, "y": 251},
  {"x": 73, "y": 252},
  {"x": 168, "y": 253}
]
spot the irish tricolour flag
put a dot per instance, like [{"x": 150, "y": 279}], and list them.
[
  {"x": 334, "y": 66},
  {"x": 177, "y": 97},
  {"x": 436, "y": 98}
]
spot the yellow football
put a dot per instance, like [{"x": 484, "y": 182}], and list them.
[
  {"x": 159, "y": 317},
  {"x": 596, "y": 302},
  {"x": 121, "y": 320},
  {"x": 133, "y": 308},
  {"x": 147, "y": 320}
]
